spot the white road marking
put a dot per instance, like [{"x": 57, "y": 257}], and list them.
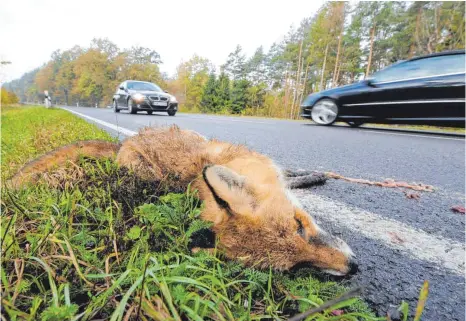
[
  {"x": 415, "y": 135},
  {"x": 116, "y": 128},
  {"x": 433, "y": 248}
]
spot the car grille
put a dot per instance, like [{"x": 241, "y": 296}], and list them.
[{"x": 158, "y": 98}]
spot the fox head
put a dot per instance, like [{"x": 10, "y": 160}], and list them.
[{"x": 261, "y": 226}]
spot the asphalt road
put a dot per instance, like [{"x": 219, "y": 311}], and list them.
[{"x": 400, "y": 242}]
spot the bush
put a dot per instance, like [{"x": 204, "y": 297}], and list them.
[{"x": 8, "y": 97}]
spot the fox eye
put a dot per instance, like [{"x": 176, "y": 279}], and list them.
[{"x": 300, "y": 228}]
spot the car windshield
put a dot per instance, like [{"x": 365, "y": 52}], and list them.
[{"x": 144, "y": 86}]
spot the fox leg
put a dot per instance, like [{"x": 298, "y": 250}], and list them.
[
  {"x": 297, "y": 173},
  {"x": 303, "y": 179},
  {"x": 32, "y": 171}
]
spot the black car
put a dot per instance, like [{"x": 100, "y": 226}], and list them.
[
  {"x": 427, "y": 90},
  {"x": 137, "y": 96}
]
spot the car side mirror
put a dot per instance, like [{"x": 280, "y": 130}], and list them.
[
  {"x": 166, "y": 91},
  {"x": 122, "y": 88},
  {"x": 370, "y": 82}
]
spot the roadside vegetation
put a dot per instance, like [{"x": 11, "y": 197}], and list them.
[
  {"x": 92, "y": 241},
  {"x": 8, "y": 98},
  {"x": 338, "y": 45}
]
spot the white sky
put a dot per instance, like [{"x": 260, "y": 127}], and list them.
[{"x": 30, "y": 30}]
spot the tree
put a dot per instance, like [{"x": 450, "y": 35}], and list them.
[
  {"x": 224, "y": 99},
  {"x": 105, "y": 46},
  {"x": 142, "y": 55},
  {"x": 190, "y": 78},
  {"x": 210, "y": 95},
  {"x": 8, "y": 97},
  {"x": 91, "y": 83},
  {"x": 235, "y": 65},
  {"x": 239, "y": 96},
  {"x": 256, "y": 67}
]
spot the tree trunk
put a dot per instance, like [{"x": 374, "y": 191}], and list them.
[
  {"x": 337, "y": 79},
  {"x": 298, "y": 73},
  {"x": 369, "y": 61},
  {"x": 300, "y": 98},
  {"x": 66, "y": 97},
  {"x": 335, "y": 72},
  {"x": 323, "y": 69},
  {"x": 416, "y": 33},
  {"x": 286, "y": 87}
]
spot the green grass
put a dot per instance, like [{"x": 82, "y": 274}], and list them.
[
  {"x": 31, "y": 131},
  {"x": 107, "y": 245}
]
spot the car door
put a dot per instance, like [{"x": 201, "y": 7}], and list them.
[
  {"x": 397, "y": 91},
  {"x": 443, "y": 87},
  {"x": 122, "y": 95},
  {"x": 373, "y": 97}
]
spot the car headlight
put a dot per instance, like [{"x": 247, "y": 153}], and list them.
[
  {"x": 173, "y": 99},
  {"x": 139, "y": 97}
]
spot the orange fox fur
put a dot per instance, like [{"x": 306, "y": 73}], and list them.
[{"x": 253, "y": 214}]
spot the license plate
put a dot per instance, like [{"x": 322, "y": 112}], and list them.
[{"x": 159, "y": 103}]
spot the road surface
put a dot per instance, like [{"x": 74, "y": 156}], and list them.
[{"x": 399, "y": 241}]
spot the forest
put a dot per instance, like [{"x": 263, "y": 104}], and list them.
[{"x": 341, "y": 43}]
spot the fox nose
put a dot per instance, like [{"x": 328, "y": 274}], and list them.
[{"x": 352, "y": 266}]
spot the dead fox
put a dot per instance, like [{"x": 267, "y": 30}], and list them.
[{"x": 255, "y": 216}]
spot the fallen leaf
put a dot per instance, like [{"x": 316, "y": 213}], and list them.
[
  {"x": 458, "y": 209},
  {"x": 396, "y": 238}
]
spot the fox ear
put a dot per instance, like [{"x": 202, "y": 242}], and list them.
[{"x": 229, "y": 189}]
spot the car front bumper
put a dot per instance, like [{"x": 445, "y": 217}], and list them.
[
  {"x": 147, "y": 105},
  {"x": 306, "y": 111}
]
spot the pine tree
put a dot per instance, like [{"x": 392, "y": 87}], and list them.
[
  {"x": 210, "y": 97},
  {"x": 224, "y": 91},
  {"x": 236, "y": 64},
  {"x": 239, "y": 96}
]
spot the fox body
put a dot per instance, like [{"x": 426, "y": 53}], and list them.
[{"x": 254, "y": 215}]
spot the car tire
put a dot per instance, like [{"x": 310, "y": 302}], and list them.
[
  {"x": 354, "y": 124},
  {"x": 115, "y": 107},
  {"x": 325, "y": 112},
  {"x": 149, "y": 112},
  {"x": 171, "y": 112},
  {"x": 131, "y": 108}
]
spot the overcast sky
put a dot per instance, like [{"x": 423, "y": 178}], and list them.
[{"x": 30, "y": 30}]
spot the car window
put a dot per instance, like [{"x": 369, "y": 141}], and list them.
[
  {"x": 442, "y": 65},
  {"x": 143, "y": 86},
  {"x": 426, "y": 67}
]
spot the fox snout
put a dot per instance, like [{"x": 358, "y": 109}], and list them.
[{"x": 341, "y": 259}]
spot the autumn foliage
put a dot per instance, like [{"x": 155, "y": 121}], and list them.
[{"x": 8, "y": 97}]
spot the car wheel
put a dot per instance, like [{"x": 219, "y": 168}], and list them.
[
  {"x": 324, "y": 112},
  {"x": 354, "y": 124},
  {"x": 150, "y": 112},
  {"x": 131, "y": 108},
  {"x": 171, "y": 112},
  {"x": 115, "y": 107}
]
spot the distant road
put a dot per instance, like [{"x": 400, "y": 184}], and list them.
[{"x": 400, "y": 242}]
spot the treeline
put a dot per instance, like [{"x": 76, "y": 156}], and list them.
[
  {"x": 338, "y": 45},
  {"x": 88, "y": 76}
]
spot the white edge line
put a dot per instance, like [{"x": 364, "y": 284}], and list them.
[
  {"x": 414, "y": 135},
  {"x": 118, "y": 129}
]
